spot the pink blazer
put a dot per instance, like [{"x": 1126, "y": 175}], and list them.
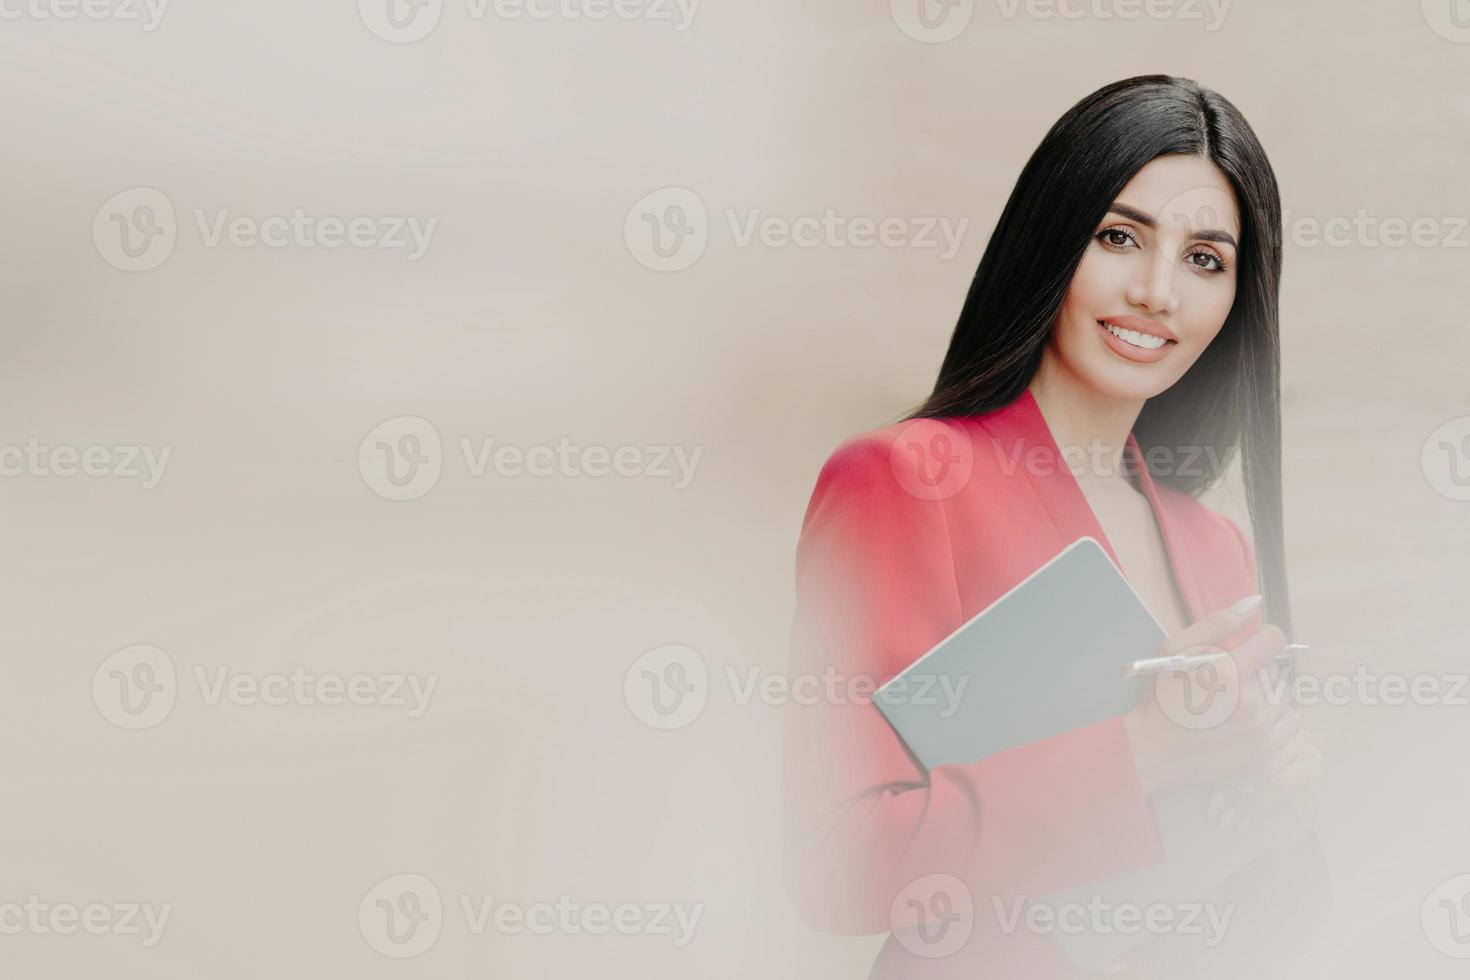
[{"x": 911, "y": 530}]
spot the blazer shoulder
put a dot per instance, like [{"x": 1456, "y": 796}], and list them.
[{"x": 909, "y": 462}]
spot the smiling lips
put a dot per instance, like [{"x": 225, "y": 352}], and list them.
[{"x": 1135, "y": 345}]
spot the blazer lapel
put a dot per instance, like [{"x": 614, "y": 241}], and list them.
[
  {"x": 1023, "y": 442},
  {"x": 1181, "y": 556}
]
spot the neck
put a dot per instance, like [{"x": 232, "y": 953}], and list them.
[{"x": 1090, "y": 427}]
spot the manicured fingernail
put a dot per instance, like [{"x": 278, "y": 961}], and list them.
[{"x": 1246, "y": 605}]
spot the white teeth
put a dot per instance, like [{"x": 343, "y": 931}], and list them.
[{"x": 1146, "y": 341}]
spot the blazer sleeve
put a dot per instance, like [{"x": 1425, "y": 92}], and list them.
[{"x": 876, "y": 588}]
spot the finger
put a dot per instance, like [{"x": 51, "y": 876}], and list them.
[
  {"x": 1277, "y": 707},
  {"x": 1301, "y": 774},
  {"x": 1209, "y": 631},
  {"x": 1291, "y": 786},
  {"x": 1259, "y": 649},
  {"x": 1258, "y": 714},
  {"x": 1254, "y": 781},
  {"x": 1287, "y": 724},
  {"x": 1288, "y": 753},
  {"x": 1265, "y": 685}
]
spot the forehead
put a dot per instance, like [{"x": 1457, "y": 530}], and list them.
[{"x": 1184, "y": 193}]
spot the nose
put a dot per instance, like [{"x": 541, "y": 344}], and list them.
[{"x": 1153, "y": 290}]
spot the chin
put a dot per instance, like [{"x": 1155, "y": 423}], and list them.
[{"x": 1128, "y": 382}]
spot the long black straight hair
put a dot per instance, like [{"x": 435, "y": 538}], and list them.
[{"x": 1229, "y": 400}]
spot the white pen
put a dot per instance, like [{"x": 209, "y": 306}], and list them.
[{"x": 1184, "y": 661}]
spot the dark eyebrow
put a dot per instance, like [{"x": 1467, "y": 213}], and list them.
[{"x": 1147, "y": 220}]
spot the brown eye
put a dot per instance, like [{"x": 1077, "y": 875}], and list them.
[
  {"x": 1213, "y": 263},
  {"x": 1116, "y": 237}
]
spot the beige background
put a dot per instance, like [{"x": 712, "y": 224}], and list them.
[{"x": 530, "y": 320}]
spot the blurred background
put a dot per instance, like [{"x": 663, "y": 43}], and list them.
[{"x": 390, "y": 387}]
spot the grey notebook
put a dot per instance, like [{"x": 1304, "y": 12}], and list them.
[{"x": 1045, "y": 658}]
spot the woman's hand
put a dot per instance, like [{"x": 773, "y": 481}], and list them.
[
  {"x": 1292, "y": 774},
  {"x": 1246, "y": 725}
]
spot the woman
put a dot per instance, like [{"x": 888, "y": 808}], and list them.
[{"x": 1124, "y": 313}]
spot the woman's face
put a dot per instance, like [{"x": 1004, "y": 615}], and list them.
[{"x": 1163, "y": 262}]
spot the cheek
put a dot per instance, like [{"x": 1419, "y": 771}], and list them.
[
  {"x": 1207, "y": 304},
  {"x": 1097, "y": 285},
  {"x": 1091, "y": 294}
]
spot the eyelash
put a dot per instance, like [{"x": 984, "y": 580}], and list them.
[{"x": 1119, "y": 229}]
